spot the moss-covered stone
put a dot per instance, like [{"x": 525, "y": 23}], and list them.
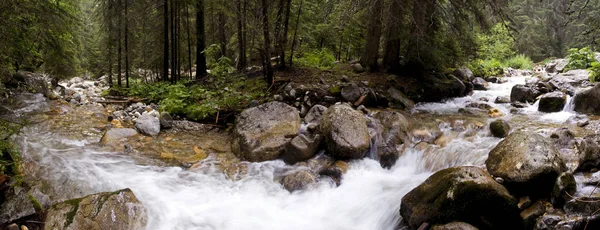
[{"x": 499, "y": 128}]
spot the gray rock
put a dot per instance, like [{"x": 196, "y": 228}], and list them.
[
  {"x": 77, "y": 97},
  {"x": 527, "y": 162},
  {"x": 393, "y": 131},
  {"x": 502, "y": 100},
  {"x": 314, "y": 115},
  {"x": 499, "y": 128},
  {"x": 580, "y": 120},
  {"x": 557, "y": 66},
  {"x": 468, "y": 194},
  {"x": 464, "y": 74},
  {"x": 563, "y": 189},
  {"x": 148, "y": 125},
  {"x": 346, "y": 132},
  {"x": 299, "y": 180},
  {"x": 110, "y": 210},
  {"x": 301, "y": 148},
  {"x": 454, "y": 226},
  {"x": 552, "y": 102},
  {"x": 575, "y": 78},
  {"x": 399, "y": 100},
  {"x": 479, "y": 84},
  {"x": 17, "y": 205},
  {"x": 563, "y": 138},
  {"x": 261, "y": 133},
  {"x": 589, "y": 154},
  {"x": 351, "y": 92},
  {"x": 583, "y": 101},
  {"x": 166, "y": 121},
  {"x": 523, "y": 94},
  {"x": 358, "y": 68}
]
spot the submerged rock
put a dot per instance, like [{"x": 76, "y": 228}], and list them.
[
  {"x": 467, "y": 194},
  {"x": 109, "y": 210},
  {"x": 583, "y": 101},
  {"x": 116, "y": 137},
  {"x": 552, "y": 102},
  {"x": 261, "y": 133},
  {"x": 148, "y": 125},
  {"x": 346, "y": 132},
  {"x": 527, "y": 162}
]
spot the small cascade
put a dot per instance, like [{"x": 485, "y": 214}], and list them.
[{"x": 570, "y": 105}]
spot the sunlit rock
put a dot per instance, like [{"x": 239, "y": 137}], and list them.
[{"x": 346, "y": 132}]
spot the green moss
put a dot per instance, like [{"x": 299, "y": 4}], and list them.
[
  {"x": 335, "y": 89},
  {"x": 36, "y": 204},
  {"x": 71, "y": 214}
]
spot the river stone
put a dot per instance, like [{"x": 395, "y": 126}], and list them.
[
  {"x": 29, "y": 82},
  {"x": 464, "y": 74},
  {"x": 563, "y": 138},
  {"x": 351, "y": 92},
  {"x": 346, "y": 132},
  {"x": 552, "y": 102},
  {"x": 301, "y": 148},
  {"x": 315, "y": 114},
  {"x": 166, "y": 121},
  {"x": 17, "y": 204},
  {"x": 479, "y": 84},
  {"x": 563, "y": 189},
  {"x": 589, "y": 154},
  {"x": 397, "y": 99},
  {"x": 299, "y": 180},
  {"x": 148, "y": 125},
  {"x": 527, "y": 162},
  {"x": 531, "y": 214},
  {"x": 109, "y": 210},
  {"x": 116, "y": 136},
  {"x": 454, "y": 226},
  {"x": 502, "y": 100},
  {"x": 499, "y": 128},
  {"x": 522, "y": 93},
  {"x": 468, "y": 194},
  {"x": 586, "y": 101},
  {"x": 557, "y": 66},
  {"x": 393, "y": 131},
  {"x": 437, "y": 87},
  {"x": 262, "y": 132}
]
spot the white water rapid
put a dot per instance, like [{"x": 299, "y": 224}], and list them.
[{"x": 204, "y": 198}]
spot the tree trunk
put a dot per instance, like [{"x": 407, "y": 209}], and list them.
[
  {"x": 420, "y": 47},
  {"x": 200, "y": 57},
  {"x": 371, "y": 52},
  {"x": 221, "y": 33},
  {"x": 296, "y": 33},
  {"x": 267, "y": 68},
  {"x": 284, "y": 35},
  {"x": 165, "y": 75},
  {"x": 189, "y": 40},
  {"x": 120, "y": 29},
  {"x": 173, "y": 38},
  {"x": 241, "y": 36},
  {"x": 278, "y": 25},
  {"x": 391, "y": 58},
  {"x": 126, "y": 43}
]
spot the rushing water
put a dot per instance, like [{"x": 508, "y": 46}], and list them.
[{"x": 205, "y": 198}]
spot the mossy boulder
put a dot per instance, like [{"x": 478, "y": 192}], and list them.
[
  {"x": 499, "y": 128},
  {"x": 527, "y": 162},
  {"x": 552, "y": 102},
  {"x": 262, "y": 132},
  {"x": 29, "y": 82},
  {"x": 346, "y": 132},
  {"x": 109, "y": 210},
  {"x": 466, "y": 194}
]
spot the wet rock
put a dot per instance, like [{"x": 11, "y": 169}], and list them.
[
  {"x": 589, "y": 154},
  {"x": 29, "y": 82},
  {"x": 502, "y": 100},
  {"x": 563, "y": 189},
  {"x": 552, "y": 102},
  {"x": 524, "y": 202},
  {"x": 301, "y": 148},
  {"x": 556, "y": 66},
  {"x": 582, "y": 101},
  {"x": 398, "y": 99},
  {"x": 467, "y": 194},
  {"x": 314, "y": 115},
  {"x": 437, "y": 87},
  {"x": 77, "y": 97},
  {"x": 117, "y": 136},
  {"x": 148, "y": 125},
  {"x": 261, "y": 133},
  {"x": 336, "y": 171},
  {"x": 479, "y": 105},
  {"x": 580, "y": 120},
  {"x": 574, "y": 78},
  {"x": 530, "y": 214},
  {"x": 518, "y": 104},
  {"x": 563, "y": 138},
  {"x": 111, "y": 210},
  {"x": 479, "y": 84},
  {"x": 351, "y": 92},
  {"x": 464, "y": 74},
  {"x": 299, "y": 180},
  {"x": 522, "y": 93},
  {"x": 499, "y": 128},
  {"x": 17, "y": 204},
  {"x": 319, "y": 163},
  {"x": 527, "y": 162},
  {"x": 393, "y": 130},
  {"x": 454, "y": 226},
  {"x": 166, "y": 121},
  {"x": 346, "y": 132}
]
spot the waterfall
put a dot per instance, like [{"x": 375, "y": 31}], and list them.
[{"x": 570, "y": 105}]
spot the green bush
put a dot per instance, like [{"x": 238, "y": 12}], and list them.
[
  {"x": 595, "y": 72},
  {"x": 322, "y": 59},
  {"x": 519, "y": 62},
  {"x": 486, "y": 68},
  {"x": 497, "y": 44},
  {"x": 580, "y": 58}
]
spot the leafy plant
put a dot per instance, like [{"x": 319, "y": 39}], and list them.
[
  {"x": 595, "y": 72},
  {"x": 486, "y": 68},
  {"x": 497, "y": 44},
  {"x": 580, "y": 58},
  {"x": 519, "y": 62},
  {"x": 322, "y": 59}
]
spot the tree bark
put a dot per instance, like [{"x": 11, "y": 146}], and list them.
[
  {"x": 221, "y": 33},
  {"x": 278, "y": 25},
  {"x": 200, "y": 57},
  {"x": 296, "y": 33},
  {"x": 127, "y": 43},
  {"x": 241, "y": 36},
  {"x": 284, "y": 35},
  {"x": 371, "y": 52},
  {"x": 165, "y": 74},
  {"x": 391, "y": 58},
  {"x": 173, "y": 47},
  {"x": 267, "y": 68},
  {"x": 189, "y": 39},
  {"x": 120, "y": 25}
]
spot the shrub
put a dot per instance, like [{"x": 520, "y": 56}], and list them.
[
  {"x": 595, "y": 72},
  {"x": 322, "y": 59},
  {"x": 519, "y": 62},
  {"x": 580, "y": 58},
  {"x": 497, "y": 44},
  {"x": 486, "y": 68}
]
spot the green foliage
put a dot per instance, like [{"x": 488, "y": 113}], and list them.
[
  {"x": 498, "y": 43},
  {"x": 580, "y": 58},
  {"x": 519, "y": 62},
  {"x": 322, "y": 59},
  {"x": 10, "y": 159},
  {"x": 595, "y": 72},
  {"x": 486, "y": 68}
]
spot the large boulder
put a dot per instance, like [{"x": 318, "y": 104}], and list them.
[
  {"x": 589, "y": 154},
  {"x": 116, "y": 137},
  {"x": 399, "y": 100},
  {"x": 557, "y": 66},
  {"x": 148, "y": 125},
  {"x": 262, "y": 132},
  {"x": 586, "y": 101},
  {"x": 301, "y": 148},
  {"x": 480, "y": 84},
  {"x": 522, "y": 93},
  {"x": 29, "y": 82},
  {"x": 109, "y": 210},
  {"x": 437, "y": 87},
  {"x": 314, "y": 115},
  {"x": 346, "y": 132},
  {"x": 527, "y": 162},
  {"x": 466, "y": 194},
  {"x": 574, "y": 78},
  {"x": 464, "y": 74},
  {"x": 393, "y": 131},
  {"x": 552, "y": 102}
]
